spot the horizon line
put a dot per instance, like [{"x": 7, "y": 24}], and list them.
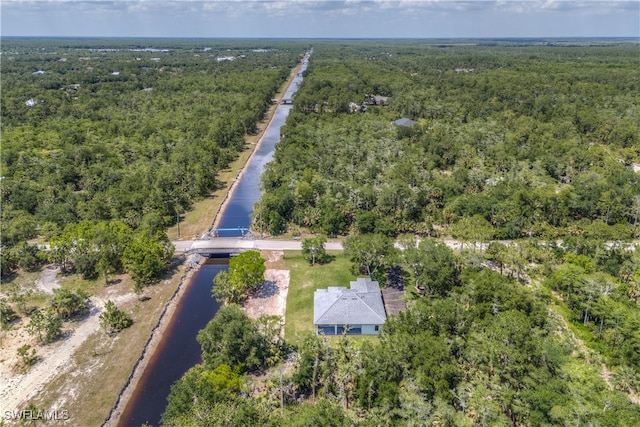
[{"x": 637, "y": 38}]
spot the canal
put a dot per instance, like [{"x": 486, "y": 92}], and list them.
[{"x": 179, "y": 350}]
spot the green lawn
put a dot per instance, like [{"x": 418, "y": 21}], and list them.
[{"x": 304, "y": 280}]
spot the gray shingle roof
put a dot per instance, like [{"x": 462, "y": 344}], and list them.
[
  {"x": 360, "y": 305},
  {"x": 405, "y": 122}
]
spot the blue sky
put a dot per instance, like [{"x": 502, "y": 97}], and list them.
[{"x": 324, "y": 19}]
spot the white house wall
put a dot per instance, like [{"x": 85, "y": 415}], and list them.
[{"x": 370, "y": 329}]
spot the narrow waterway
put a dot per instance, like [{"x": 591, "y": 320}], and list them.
[
  {"x": 239, "y": 208},
  {"x": 246, "y": 193},
  {"x": 179, "y": 350}
]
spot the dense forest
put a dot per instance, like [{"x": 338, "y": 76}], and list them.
[
  {"x": 528, "y": 156},
  {"x": 520, "y": 140},
  {"x": 480, "y": 348},
  {"x": 121, "y": 135}
]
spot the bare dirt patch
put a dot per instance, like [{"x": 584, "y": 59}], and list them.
[
  {"x": 82, "y": 372},
  {"x": 271, "y": 297},
  {"x": 16, "y": 385},
  {"x": 55, "y": 359},
  {"x": 272, "y": 257}
]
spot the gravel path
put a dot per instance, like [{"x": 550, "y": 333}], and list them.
[{"x": 48, "y": 280}]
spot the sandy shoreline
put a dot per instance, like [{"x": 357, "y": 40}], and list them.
[{"x": 167, "y": 315}]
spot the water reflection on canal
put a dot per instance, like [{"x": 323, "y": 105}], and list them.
[
  {"x": 237, "y": 212},
  {"x": 239, "y": 208},
  {"x": 179, "y": 350}
]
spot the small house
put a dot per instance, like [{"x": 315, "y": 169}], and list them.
[
  {"x": 376, "y": 100},
  {"x": 357, "y": 310},
  {"x": 380, "y": 100},
  {"x": 405, "y": 122}
]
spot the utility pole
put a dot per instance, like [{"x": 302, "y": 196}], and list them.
[
  {"x": 261, "y": 224},
  {"x": 178, "y": 218}
]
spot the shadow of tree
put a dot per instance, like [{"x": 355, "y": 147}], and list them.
[
  {"x": 114, "y": 282},
  {"x": 396, "y": 278},
  {"x": 267, "y": 289},
  {"x": 327, "y": 259}
]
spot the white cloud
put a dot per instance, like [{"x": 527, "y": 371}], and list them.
[
  {"x": 322, "y": 18},
  {"x": 522, "y": 6}
]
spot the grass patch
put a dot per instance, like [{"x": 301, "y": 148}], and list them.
[
  {"x": 24, "y": 278},
  {"x": 76, "y": 282},
  {"x": 304, "y": 280},
  {"x": 22, "y": 294}
]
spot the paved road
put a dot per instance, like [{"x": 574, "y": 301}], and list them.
[
  {"x": 184, "y": 245},
  {"x": 284, "y": 245},
  {"x": 263, "y": 244}
]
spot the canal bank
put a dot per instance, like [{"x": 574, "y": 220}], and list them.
[
  {"x": 177, "y": 349},
  {"x": 144, "y": 399}
]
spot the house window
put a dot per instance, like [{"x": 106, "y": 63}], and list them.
[
  {"x": 354, "y": 330},
  {"x": 326, "y": 330},
  {"x": 376, "y": 328}
]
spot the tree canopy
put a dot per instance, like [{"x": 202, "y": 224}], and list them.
[
  {"x": 124, "y": 131},
  {"x": 529, "y": 144},
  {"x": 511, "y": 140},
  {"x": 481, "y": 349},
  {"x": 245, "y": 275}
]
